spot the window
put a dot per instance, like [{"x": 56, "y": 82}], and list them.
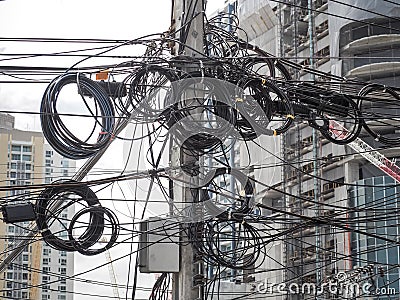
[
  {"x": 44, "y": 297},
  {"x": 9, "y": 285},
  {"x": 48, "y": 163},
  {"x": 46, "y": 261},
  {"x": 27, "y": 176},
  {"x": 15, "y": 156},
  {"x": 62, "y": 288},
  {"x": 28, "y": 167},
  {"x": 45, "y": 288},
  {"x": 26, "y": 157},
  {"x": 61, "y": 297},
  {"x": 13, "y": 174},
  {"x": 16, "y": 148},
  {"x": 63, "y": 271},
  {"x": 65, "y": 172},
  {"x": 46, "y": 270},
  {"x": 24, "y": 276},
  {"x": 63, "y": 253},
  {"x": 46, "y": 251},
  {"x": 11, "y": 229},
  {"x": 13, "y": 165},
  {"x": 24, "y": 295},
  {"x": 25, "y": 257},
  {"x": 63, "y": 261},
  {"x": 49, "y": 153},
  {"x": 26, "y": 148},
  {"x": 9, "y": 275}
]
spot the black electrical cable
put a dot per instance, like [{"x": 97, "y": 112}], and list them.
[
  {"x": 58, "y": 135},
  {"x": 380, "y": 121},
  {"x": 51, "y": 195},
  {"x": 80, "y": 244}
]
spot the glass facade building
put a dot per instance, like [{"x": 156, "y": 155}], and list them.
[{"x": 381, "y": 194}]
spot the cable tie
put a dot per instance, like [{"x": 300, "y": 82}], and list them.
[
  {"x": 290, "y": 117},
  {"x": 238, "y": 99},
  {"x": 263, "y": 81},
  {"x": 275, "y": 133}
]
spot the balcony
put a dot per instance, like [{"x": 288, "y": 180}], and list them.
[{"x": 371, "y": 42}]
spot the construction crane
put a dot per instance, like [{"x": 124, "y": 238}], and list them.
[
  {"x": 113, "y": 278},
  {"x": 369, "y": 153}
]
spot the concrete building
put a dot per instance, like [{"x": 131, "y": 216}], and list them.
[
  {"x": 363, "y": 46},
  {"x": 39, "y": 272}
]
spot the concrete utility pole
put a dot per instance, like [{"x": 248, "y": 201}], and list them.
[{"x": 190, "y": 13}]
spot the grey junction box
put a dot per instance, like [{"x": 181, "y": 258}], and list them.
[{"x": 159, "y": 246}]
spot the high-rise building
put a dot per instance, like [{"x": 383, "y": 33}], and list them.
[
  {"x": 39, "y": 272},
  {"x": 352, "y": 39}
]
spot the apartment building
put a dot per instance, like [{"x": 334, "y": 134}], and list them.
[{"x": 40, "y": 271}]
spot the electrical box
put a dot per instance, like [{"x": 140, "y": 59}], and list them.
[
  {"x": 18, "y": 212},
  {"x": 159, "y": 246}
]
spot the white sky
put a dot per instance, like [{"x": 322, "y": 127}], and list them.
[{"x": 117, "y": 19}]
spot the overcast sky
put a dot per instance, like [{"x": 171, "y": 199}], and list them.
[{"x": 117, "y": 19}]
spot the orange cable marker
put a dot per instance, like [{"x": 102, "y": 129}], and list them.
[{"x": 102, "y": 75}]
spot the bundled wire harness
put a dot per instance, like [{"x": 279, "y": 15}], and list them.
[
  {"x": 70, "y": 193},
  {"x": 56, "y": 132}
]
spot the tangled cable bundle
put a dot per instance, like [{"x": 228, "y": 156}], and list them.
[
  {"x": 56, "y": 132},
  {"x": 70, "y": 193},
  {"x": 378, "y": 104},
  {"x": 245, "y": 243},
  {"x": 226, "y": 225},
  {"x": 159, "y": 92},
  {"x": 242, "y": 202},
  {"x": 80, "y": 243},
  {"x": 203, "y": 113},
  {"x": 145, "y": 85}
]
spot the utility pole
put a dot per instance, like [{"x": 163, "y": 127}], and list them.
[{"x": 188, "y": 13}]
